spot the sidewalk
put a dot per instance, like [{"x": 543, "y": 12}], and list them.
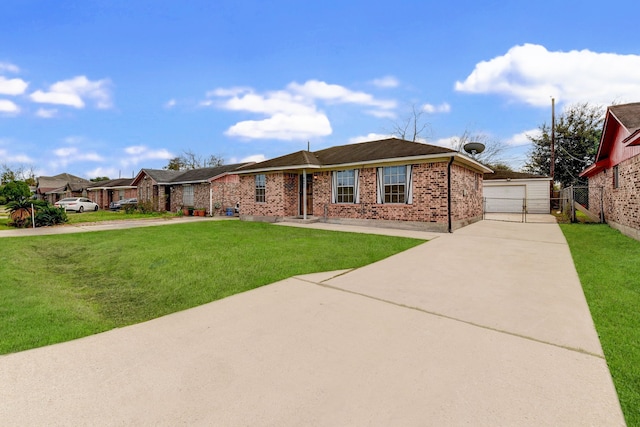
[{"x": 486, "y": 326}]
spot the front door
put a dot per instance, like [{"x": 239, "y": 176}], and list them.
[
  {"x": 309, "y": 195},
  {"x": 167, "y": 195}
]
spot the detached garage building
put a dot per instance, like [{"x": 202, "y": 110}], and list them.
[{"x": 511, "y": 192}]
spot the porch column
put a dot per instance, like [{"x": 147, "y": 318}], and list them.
[{"x": 304, "y": 194}]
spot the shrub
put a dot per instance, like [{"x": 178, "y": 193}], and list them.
[
  {"x": 50, "y": 215},
  {"x": 129, "y": 208},
  {"x": 20, "y": 213},
  {"x": 145, "y": 207}
]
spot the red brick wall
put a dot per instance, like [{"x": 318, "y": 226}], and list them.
[
  {"x": 281, "y": 196},
  {"x": 429, "y": 197},
  {"x": 622, "y": 204}
]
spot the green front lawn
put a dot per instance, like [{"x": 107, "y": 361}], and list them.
[
  {"x": 609, "y": 269},
  {"x": 61, "y": 287}
]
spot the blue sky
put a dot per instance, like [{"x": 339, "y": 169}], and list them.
[{"x": 104, "y": 88}]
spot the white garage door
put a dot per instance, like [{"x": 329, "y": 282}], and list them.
[{"x": 504, "y": 198}]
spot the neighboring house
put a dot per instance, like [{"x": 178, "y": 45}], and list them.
[
  {"x": 105, "y": 192},
  {"x": 390, "y": 182},
  {"x": 515, "y": 192},
  {"x": 54, "y": 188},
  {"x": 617, "y": 170},
  {"x": 213, "y": 189}
]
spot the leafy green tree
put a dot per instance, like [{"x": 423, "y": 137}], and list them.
[
  {"x": 99, "y": 178},
  {"x": 577, "y": 135},
  {"x": 13, "y": 190}
]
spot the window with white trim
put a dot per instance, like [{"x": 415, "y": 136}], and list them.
[
  {"x": 394, "y": 184},
  {"x": 395, "y": 180},
  {"x": 345, "y": 186},
  {"x": 187, "y": 195},
  {"x": 261, "y": 188}
]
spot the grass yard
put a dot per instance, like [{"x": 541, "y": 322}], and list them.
[
  {"x": 61, "y": 287},
  {"x": 607, "y": 263},
  {"x": 106, "y": 215}
]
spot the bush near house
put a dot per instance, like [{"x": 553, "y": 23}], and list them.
[{"x": 20, "y": 213}]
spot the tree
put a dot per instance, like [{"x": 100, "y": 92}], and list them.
[
  {"x": 411, "y": 128},
  {"x": 22, "y": 173},
  {"x": 577, "y": 135},
  {"x": 99, "y": 178},
  {"x": 15, "y": 190},
  {"x": 190, "y": 160}
]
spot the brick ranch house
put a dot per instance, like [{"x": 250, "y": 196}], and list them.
[
  {"x": 213, "y": 189},
  {"x": 390, "y": 182},
  {"x": 54, "y": 188},
  {"x": 113, "y": 190},
  {"x": 617, "y": 170}
]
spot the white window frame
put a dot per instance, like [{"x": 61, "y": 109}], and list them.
[
  {"x": 187, "y": 195},
  {"x": 261, "y": 188}
]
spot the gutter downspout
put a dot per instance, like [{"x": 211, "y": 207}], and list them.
[{"x": 449, "y": 228}]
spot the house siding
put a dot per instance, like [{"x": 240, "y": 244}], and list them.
[{"x": 428, "y": 210}]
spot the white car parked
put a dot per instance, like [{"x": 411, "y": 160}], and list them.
[{"x": 78, "y": 204}]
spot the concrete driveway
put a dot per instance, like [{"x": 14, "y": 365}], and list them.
[{"x": 487, "y": 326}]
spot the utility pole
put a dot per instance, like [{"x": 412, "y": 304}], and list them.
[{"x": 553, "y": 143}]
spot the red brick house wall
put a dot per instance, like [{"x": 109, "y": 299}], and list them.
[
  {"x": 622, "y": 204},
  {"x": 280, "y": 196},
  {"x": 430, "y": 196}
]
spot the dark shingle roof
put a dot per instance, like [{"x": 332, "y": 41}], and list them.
[
  {"x": 60, "y": 182},
  {"x": 203, "y": 174},
  {"x": 504, "y": 174},
  {"x": 628, "y": 115},
  {"x": 391, "y": 148},
  {"x": 120, "y": 182},
  {"x": 164, "y": 176}
]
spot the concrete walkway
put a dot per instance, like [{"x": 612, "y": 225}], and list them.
[{"x": 486, "y": 326}]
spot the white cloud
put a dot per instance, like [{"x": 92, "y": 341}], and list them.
[
  {"x": 532, "y": 74},
  {"x": 315, "y": 89},
  {"x": 7, "y": 66},
  {"x": 232, "y": 91},
  {"x": 170, "y": 104},
  {"x": 47, "y": 113},
  {"x": 67, "y": 155},
  {"x": 386, "y": 82},
  {"x": 292, "y": 113},
  {"x": 12, "y": 86},
  {"x": 72, "y": 155},
  {"x": 522, "y": 137},
  {"x": 138, "y": 153},
  {"x": 253, "y": 158},
  {"x": 74, "y": 92},
  {"x": 112, "y": 173},
  {"x": 382, "y": 114},
  {"x": 431, "y": 109},
  {"x": 8, "y": 107},
  {"x": 282, "y": 126},
  {"x": 368, "y": 137},
  {"x": 14, "y": 158}
]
